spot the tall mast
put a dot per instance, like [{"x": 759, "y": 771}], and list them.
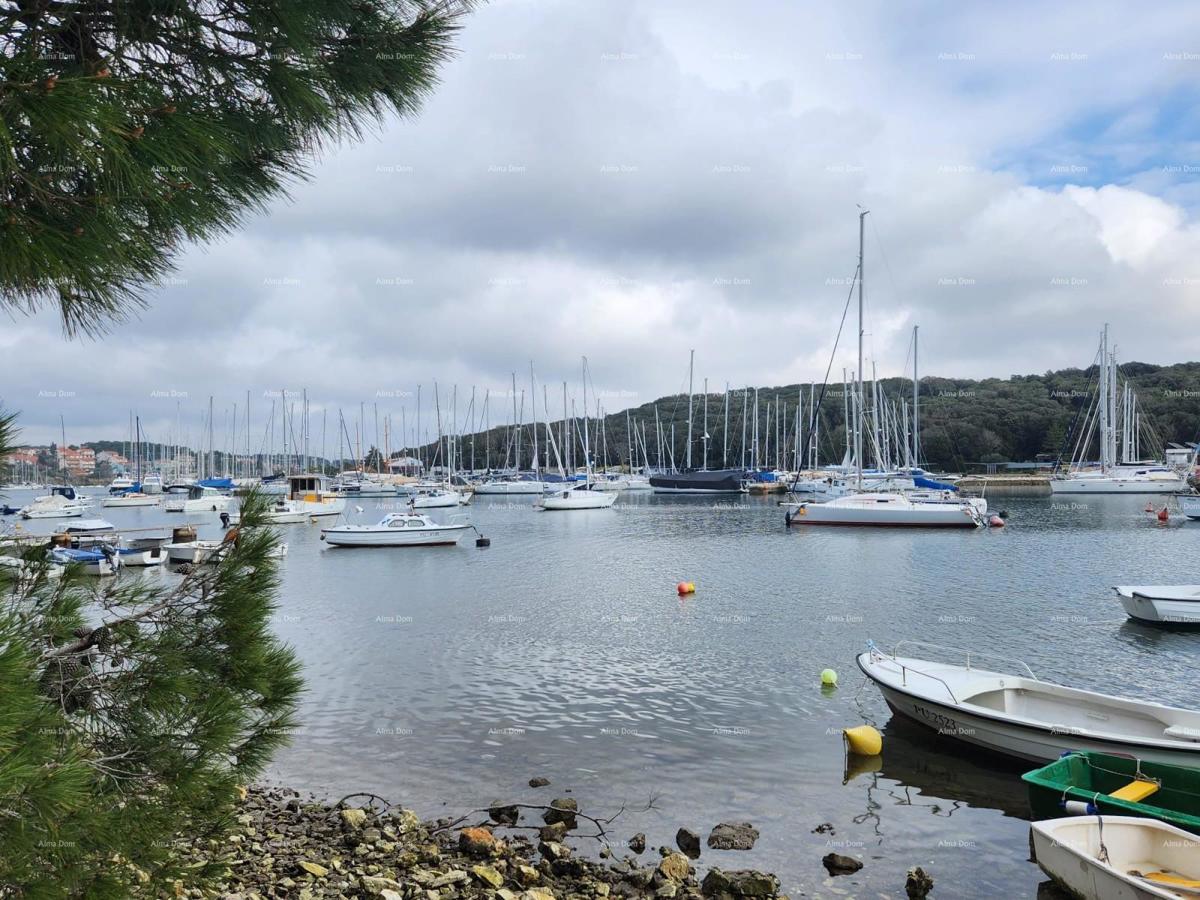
[
  {"x": 691, "y": 365},
  {"x": 916, "y": 417},
  {"x": 725, "y": 432},
  {"x": 858, "y": 448},
  {"x": 1105, "y": 462},
  {"x": 533, "y": 401},
  {"x": 706, "y": 423}
]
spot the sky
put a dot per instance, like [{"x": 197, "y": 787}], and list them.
[{"x": 630, "y": 181}]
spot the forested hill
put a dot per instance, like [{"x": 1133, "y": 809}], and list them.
[{"x": 963, "y": 421}]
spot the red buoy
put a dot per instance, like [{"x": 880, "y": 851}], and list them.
[{"x": 1163, "y": 515}]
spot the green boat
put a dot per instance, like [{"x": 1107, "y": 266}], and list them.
[{"x": 1116, "y": 785}]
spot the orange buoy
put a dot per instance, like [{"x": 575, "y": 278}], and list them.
[
  {"x": 686, "y": 587},
  {"x": 1149, "y": 506},
  {"x": 996, "y": 522},
  {"x": 1163, "y": 515}
]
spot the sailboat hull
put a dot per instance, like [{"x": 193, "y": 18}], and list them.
[
  {"x": 890, "y": 510},
  {"x": 726, "y": 481}
]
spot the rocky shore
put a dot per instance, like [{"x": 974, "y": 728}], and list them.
[{"x": 286, "y": 846}]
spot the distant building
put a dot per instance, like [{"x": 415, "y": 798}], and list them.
[
  {"x": 405, "y": 465},
  {"x": 81, "y": 461},
  {"x": 22, "y": 457},
  {"x": 118, "y": 463}
]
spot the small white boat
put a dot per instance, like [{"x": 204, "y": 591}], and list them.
[
  {"x": 60, "y": 503},
  {"x": 1022, "y": 716},
  {"x": 141, "y": 557},
  {"x": 1161, "y": 604},
  {"x": 284, "y": 512},
  {"x": 913, "y": 510},
  {"x": 198, "y": 499},
  {"x": 440, "y": 499},
  {"x": 1120, "y": 480},
  {"x": 397, "y": 530},
  {"x": 1118, "y": 857},
  {"x": 133, "y": 498},
  {"x": 581, "y": 497},
  {"x": 120, "y": 484},
  {"x": 152, "y": 484},
  {"x": 1189, "y": 505},
  {"x": 192, "y": 551},
  {"x": 507, "y": 486}
]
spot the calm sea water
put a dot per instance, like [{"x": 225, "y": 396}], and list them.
[{"x": 444, "y": 678}]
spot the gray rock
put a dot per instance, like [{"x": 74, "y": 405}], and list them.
[
  {"x": 553, "y": 850},
  {"x": 837, "y": 864},
  {"x": 743, "y": 883},
  {"x": 689, "y": 842},
  {"x": 637, "y": 843},
  {"x": 562, "y": 810},
  {"x": 538, "y": 782},
  {"x": 918, "y": 884},
  {"x": 733, "y": 836},
  {"x": 505, "y": 815}
]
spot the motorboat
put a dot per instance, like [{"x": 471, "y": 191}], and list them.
[
  {"x": 1118, "y": 857},
  {"x": 702, "y": 481},
  {"x": 398, "y": 530},
  {"x": 582, "y": 497},
  {"x": 92, "y": 562},
  {"x": 131, "y": 497},
  {"x": 1161, "y": 604},
  {"x": 283, "y": 512},
  {"x": 357, "y": 484},
  {"x": 1022, "y": 716},
  {"x": 938, "y": 509},
  {"x": 199, "y": 499},
  {"x": 142, "y": 557},
  {"x": 121, "y": 484},
  {"x": 152, "y": 484},
  {"x": 311, "y": 495},
  {"x": 60, "y": 503},
  {"x": 441, "y": 498},
  {"x": 193, "y": 551}
]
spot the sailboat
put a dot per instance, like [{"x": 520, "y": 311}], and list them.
[
  {"x": 1127, "y": 476},
  {"x": 936, "y": 507},
  {"x": 697, "y": 481},
  {"x": 443, "y": 495},
  {"x": 132, "y": 494},
  {"x": 575, "y": 494}
]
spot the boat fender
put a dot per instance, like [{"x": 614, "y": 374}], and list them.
[
  {"x": 483, "y": 542},
  {"x": 829, "y": 677},
  {"x": 863, "y": 740},
  {"x": 1079, "y": 808},
  {"x": 685, "y": 587}
]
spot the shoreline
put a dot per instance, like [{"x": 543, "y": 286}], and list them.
[{"x": 289, "y": 845}]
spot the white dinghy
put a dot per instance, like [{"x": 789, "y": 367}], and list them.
[
  {"x": 1022, "y": 716},
  {"x": 439, "y": 499},
  {"x": 1161, "y": 604},
  {"x": 1118, "y": 857},
  {"x": 193, "y": 551},
  {"x": 397, "y": 530}
]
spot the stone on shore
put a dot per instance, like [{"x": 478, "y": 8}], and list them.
[
  {"x": 553, "y": 851},
  {"x": 354, "y": 818},
  {"x": 918, "y": 884},
  {"x": 563, "y": 810},
  {"x": 315, "y": 869},
  {"x": 555, "y": 832},
  {"x": 478, "y": 842},
  {"x": 743, "y": 883},
  {"x": 733, "y": 836},
  {"x": 637, "y": 843},
  {"x": 505, "y": 815},
  {"x": 689, "y": 842},
  {"x": 674, "y": 867},
  {"x": 488, "y": 876},
  {"x": 538, "y": 782},
  {"x": 375, "y": 885},
  {"x": 837, "y": 864}
]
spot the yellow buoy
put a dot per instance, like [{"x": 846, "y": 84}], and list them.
[
  {"x": 829, "y": 677},
  {"x": 863, "y": 740}
]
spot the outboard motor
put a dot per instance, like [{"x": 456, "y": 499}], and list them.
[{"x": 224, "y": 520}]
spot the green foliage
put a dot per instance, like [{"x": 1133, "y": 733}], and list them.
[
  {"x": 129, "y": 128},
  {"x": 131, "y": 713}
]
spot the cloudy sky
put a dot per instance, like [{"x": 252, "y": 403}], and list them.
[{"x": 630, "y": 180}]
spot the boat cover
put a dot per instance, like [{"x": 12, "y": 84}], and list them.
[{"x": 930, "y": 485}]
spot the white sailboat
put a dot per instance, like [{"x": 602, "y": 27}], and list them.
[
  {"x": 576, "y": 495},
  {"x": 1115, "y": 422},
  {"x": 60, "y": 503},
  {"x": 198, "y": 499},
  {"x": 916, "y": 509}
]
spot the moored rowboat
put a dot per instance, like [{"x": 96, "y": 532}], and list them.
[
  {"x": 1161, "y": 604},
  {"x": 1023, "y": 716},
  {"x": 1117, "y": 785},
  {"x": 1118, "y": 857}
]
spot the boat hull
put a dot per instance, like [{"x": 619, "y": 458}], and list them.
[
  {"x": 151, "y": 556},
  {"x": 724, "y": 481},
  {"x": 504, "y": 488},
  {"x": 191, "y": 551},
  {"x": 889, "y": 510},
  {"x": 1034, "y": 742},
  {"x": 1164, "y": 606},
  {"x": 566, "y": 500},
  {"x": 1069, "y": 850},
  {"x": 1189, "y": 505},
  {"x": 142, "y": 500},
  {"x": 395, "y": 537},
  {"x": 1115, "y": 486}
]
